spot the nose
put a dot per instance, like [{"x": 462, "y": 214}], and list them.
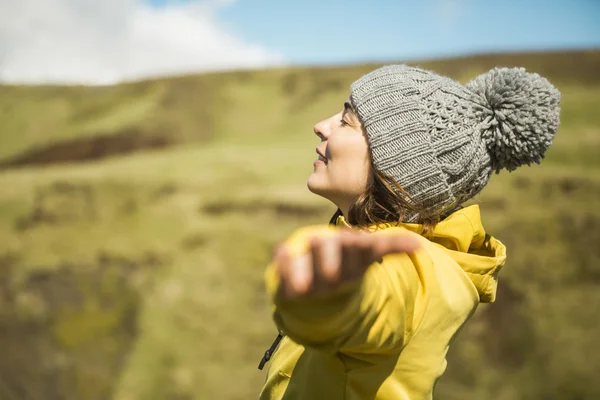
[{"x": 321, "y": 129}]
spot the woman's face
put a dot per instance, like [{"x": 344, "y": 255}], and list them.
[{"x": 343, "y": 167}]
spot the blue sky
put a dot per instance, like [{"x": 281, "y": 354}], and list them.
[
  {"x": 335, "y": 31},
  {"x": 105, "y": 42}
]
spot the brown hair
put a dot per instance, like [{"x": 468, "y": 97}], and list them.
[{"x": 384, "y": 200}]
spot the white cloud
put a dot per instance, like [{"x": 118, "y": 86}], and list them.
[{"x": 107, "y": 41}]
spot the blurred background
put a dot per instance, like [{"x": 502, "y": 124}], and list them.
[{"x": 152, "y": 153}]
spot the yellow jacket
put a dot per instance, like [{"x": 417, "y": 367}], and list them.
[{"x": 387, "y": 335}]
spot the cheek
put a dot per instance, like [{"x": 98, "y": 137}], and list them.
[{"x": 349, "y": 163}]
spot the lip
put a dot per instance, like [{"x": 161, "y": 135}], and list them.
[{"x": 322, "y": 157}]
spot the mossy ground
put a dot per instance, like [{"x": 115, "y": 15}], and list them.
[{"x": 139, "y": 276}]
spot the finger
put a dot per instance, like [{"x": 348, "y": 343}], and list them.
[
  {"x": 326, "y": 259},
  {"x": 358, "y": 245},
  {"x": 301, "y": 273},
  {"x": 350, "y": 268},
  {"x": 365, "y": 245},
  {"x": 332, "y": 258},
  {"x": 317, "y": 263}
]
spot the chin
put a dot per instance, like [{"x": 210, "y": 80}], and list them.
[{"x": 316, "y": 185}]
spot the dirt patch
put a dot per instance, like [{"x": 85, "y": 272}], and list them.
[
  {"x": 522, "y": 182},
  {"x": 568, "y": 187},
  {"x": 163, "y": 192},
  {"x": 194, "y": 241},
  {"x": 496, "y": 203},
  {"x": 89, "y": 148},
  {"x": 59, "y": 203},
  {"x": 281, "y": 209}
]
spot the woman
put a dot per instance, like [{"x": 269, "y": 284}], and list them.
[{"x": 367, "y": 306}]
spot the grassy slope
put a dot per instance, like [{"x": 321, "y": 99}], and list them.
[{"x": 140, "y": 277}]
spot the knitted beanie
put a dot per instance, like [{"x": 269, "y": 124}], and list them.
[{"x": 441, "y": 141}]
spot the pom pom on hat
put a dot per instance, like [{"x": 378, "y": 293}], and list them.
[{"x": 520, "y": 115}]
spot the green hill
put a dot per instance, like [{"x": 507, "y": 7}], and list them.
[{"x": 135, "y": 222}]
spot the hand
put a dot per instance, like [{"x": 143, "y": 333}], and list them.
[{"x": 334, "y": 259}]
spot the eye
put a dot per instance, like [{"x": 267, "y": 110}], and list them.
[{"x": 343, "y": 122}]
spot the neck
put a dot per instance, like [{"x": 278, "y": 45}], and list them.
[
  {"x": 343, "y": 203},
  {"x": 345, "y": 209}
]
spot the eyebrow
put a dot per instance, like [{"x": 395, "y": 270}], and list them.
[{"x": 348, "y": 109}]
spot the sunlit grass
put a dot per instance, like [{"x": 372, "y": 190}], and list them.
[{"x": 141, "y": 276}]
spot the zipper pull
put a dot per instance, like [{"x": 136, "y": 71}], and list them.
[{"x": 270, "y": 352}]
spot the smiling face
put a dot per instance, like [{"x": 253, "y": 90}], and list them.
[{"x": 343, "y": 168}]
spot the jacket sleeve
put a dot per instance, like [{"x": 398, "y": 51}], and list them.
[{"x": 371, "y": 317}]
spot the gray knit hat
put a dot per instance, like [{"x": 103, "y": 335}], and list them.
[{"x": 441, "y": 141}]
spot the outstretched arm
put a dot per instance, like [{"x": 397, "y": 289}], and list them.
[
  {"x": 346, "y": 291},
  {"x": 334, "y": 259}
]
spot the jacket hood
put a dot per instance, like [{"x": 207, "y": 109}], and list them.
[{"x": 464, "y": 239}]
